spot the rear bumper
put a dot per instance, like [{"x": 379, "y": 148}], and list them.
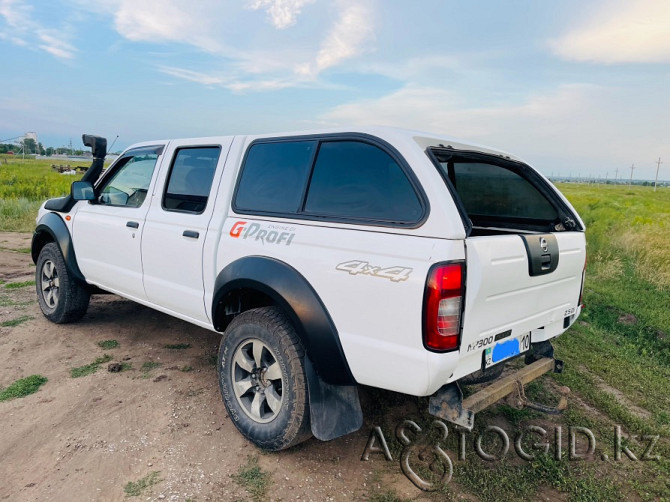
[{"x": 452, "y": 366}]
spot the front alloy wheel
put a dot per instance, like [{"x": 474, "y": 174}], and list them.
[{"x": 50, "y": 284}]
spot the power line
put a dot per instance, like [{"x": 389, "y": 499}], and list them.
[{"x": 10, "y": 139}]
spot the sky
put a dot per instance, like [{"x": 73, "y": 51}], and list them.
[{"x": 572, "y": 87}]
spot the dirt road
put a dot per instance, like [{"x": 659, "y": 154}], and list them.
[{"x": 86, "y": 438}]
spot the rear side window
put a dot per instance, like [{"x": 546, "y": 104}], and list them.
[
  {"x": 352, "y": 179},
  {"x": 190, "y": 179},
  {"x": 487, "y": 190},
  {"x": 274, "y": 176},
  {"x": 327, "y": 178}
]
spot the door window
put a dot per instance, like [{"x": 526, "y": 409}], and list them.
[
  {"x": 190, "y": 179},
  {"x": 129, "y": 183}
]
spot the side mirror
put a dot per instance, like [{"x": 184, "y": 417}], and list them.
[{"x": 82, "y": 190}]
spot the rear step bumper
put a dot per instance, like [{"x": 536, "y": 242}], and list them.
[{"x": 448, "y": 403}]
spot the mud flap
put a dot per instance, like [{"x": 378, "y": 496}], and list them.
[{"x": 334, "y": 409}]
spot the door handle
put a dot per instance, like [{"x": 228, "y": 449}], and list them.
[
  {"x": 191, "y": 233},
  {"x": 545, "y": 261},
  {"x": 132, "y": 224}
]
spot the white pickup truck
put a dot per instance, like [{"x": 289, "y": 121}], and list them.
[{"x": 327, "y": 259}]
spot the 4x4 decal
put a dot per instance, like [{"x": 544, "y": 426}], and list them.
[
  {"x": 356, "y": 267},
  {"x": 272, "y": 234}
]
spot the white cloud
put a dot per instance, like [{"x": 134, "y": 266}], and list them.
[
  {"x": 283, "y": 13},
  {"x": 56, "y": 46},
  {"x": 232, "y": 82},
  {"x": 347, "y": 38},
  {"x": 158, "y": 21},
  {"x": 192, "y": 76},
  {"x": 634, "y": 31},
  {"x": 248, "y": 66},
  {"x": 16, "y": 13},
  {"x": 24, "y": 30},
  {"x": 577, "y": 122}
]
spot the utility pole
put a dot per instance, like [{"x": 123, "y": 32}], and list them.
[
  {"x": 632, "y": 167},
  {"x": 658, "y": 166},
  {"x": 616, "y": 175}
]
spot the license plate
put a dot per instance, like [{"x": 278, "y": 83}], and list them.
[{"x": 505, "y": 349}]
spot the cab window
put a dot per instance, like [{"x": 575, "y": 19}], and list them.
[
  {"x": 190, "y": 179},
  {"x": 129, "y": 183}
]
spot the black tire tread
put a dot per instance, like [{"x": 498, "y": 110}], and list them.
[
  {"x": 280, "y": 327},
  {"x": 73, "y": 298}
]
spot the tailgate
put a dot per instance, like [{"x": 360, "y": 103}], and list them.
[{"x": 504, "y": 301}]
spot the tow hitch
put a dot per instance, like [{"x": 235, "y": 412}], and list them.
[{"x": 448, "y": 403}]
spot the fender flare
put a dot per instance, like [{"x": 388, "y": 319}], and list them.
[
  {"x": 51, "y": 227},
  {"x": 294, "y": 294}
]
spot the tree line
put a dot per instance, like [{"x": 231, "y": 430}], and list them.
[{"x": 32, "y": 147}]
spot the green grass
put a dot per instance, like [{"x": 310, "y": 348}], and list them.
[
  {"x": 253, "y": 479},
  {"x": 89, "y": 369},
  {"x": 178, "y": 346},
  {"x": 147, "y": 366},
  {"x": 625, "y": 222},
  {"x": 23, "y": 387},
  {"x": 137, "y": 488},
  {"x": 34, "y": 179},
  {"x": 186, "y": 369},
  {"x": 24, "y": 185},
  {"x": 623, "y": 369},
  {"x": 17, "y": 285},
  {"x": 108, "y": 344},
  {"x": 18, "y": 215},
  {"x": 15, "y": 322},
  {"x": 8, "y": 301}
]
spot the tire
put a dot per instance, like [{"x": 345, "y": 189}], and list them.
[
  {"x": 480, "y": 377},
  {"x": 61, "y": 298},
  {"x": 262, "y": 379}
]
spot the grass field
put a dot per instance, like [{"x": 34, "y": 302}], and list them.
[
  {"x": 618, "y": 355},
  {"x": 24, "y": 185}
]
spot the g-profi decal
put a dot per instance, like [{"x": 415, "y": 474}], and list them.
[
  {"x": 265, "y": 233},
  {"x": 356, "y": 267}
]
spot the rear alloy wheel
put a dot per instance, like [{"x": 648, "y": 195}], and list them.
[
  {"x": 257, "y": 381},
  {"x": 262, "y": 379},
  {"x": 61, "y": 298}
]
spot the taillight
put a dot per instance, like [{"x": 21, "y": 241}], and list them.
[{"x": 442, "y": 307}]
